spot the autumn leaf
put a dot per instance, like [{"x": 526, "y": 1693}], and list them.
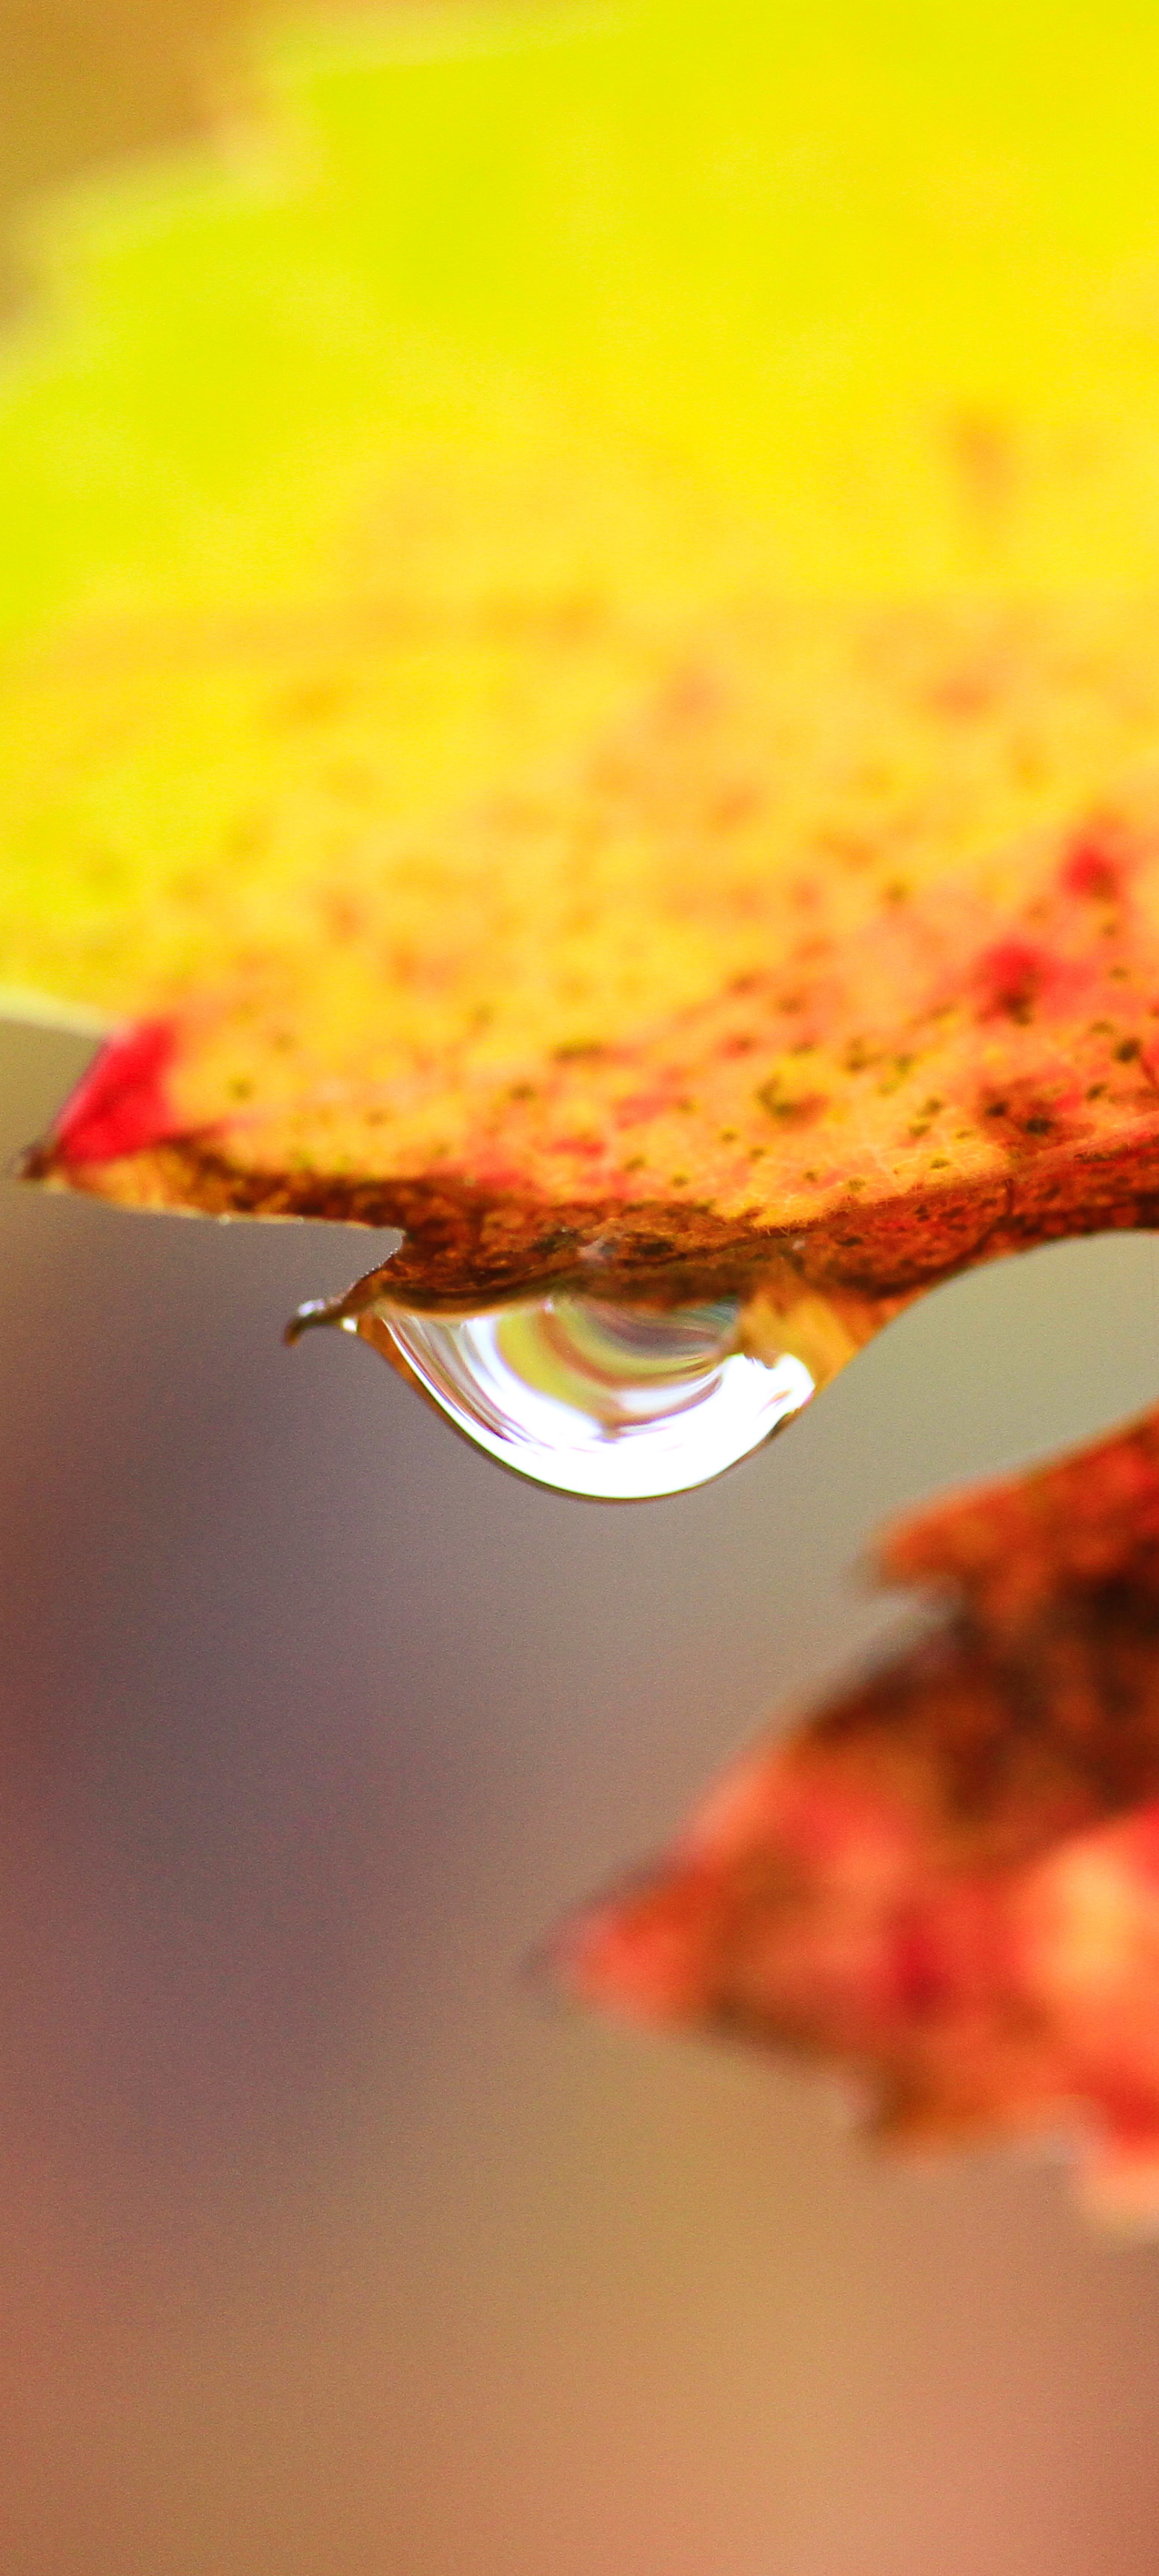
[
  {"x": 635, "y": 992},
  {"x": 946, "y": 1880},
  {"x": 581, "y": 676},
  {"x": 467, "y": 724}
]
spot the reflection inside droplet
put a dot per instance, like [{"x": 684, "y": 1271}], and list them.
[{"x": 614, "y": 1401}]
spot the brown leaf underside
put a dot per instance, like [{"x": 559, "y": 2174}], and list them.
[
  {"x": 839, "y": 940},
  {"x": 947, "y": 1879}
]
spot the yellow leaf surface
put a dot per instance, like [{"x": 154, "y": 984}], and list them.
[{"x": 581, "y": 666}]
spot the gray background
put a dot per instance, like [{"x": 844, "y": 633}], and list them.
[{"x": 327, "y": 2244}]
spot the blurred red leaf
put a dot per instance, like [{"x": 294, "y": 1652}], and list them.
[{"x": 946, "y": 1880}]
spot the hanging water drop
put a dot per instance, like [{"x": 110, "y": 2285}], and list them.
[{"x": 617, "y": 1402}]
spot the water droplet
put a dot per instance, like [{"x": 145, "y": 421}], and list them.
[{"x": 617, "y": 1402}]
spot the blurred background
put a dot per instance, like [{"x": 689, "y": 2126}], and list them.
[
  {"x": 328, "y": 2247},
  {"x": 83, "y": 80}
]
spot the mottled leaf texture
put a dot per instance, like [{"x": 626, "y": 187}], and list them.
[
  {"x": 945, "y": 1881},
  {"x": 583, "y": 668}
]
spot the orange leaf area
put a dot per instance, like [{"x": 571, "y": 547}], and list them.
[
  {"x": 947, "y": 1879},
  {"x": 828, "y": 932}
]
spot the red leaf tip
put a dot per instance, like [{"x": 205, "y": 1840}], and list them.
[{"x": 121, "y": 1105}]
